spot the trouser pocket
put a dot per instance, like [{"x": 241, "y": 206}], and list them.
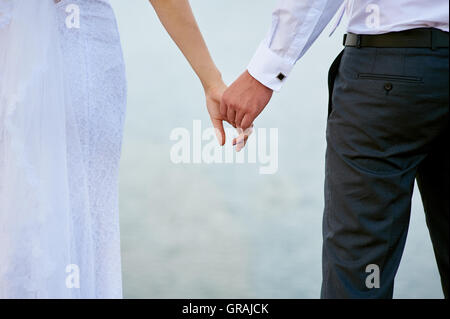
[
  {"x": 332, "y": 74},
  {"x": 388, "y": 77}
]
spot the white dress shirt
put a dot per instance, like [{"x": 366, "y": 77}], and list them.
[{"x": 296, "y": 24}]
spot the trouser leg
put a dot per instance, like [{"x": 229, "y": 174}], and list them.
[
  {"x": 433, "y": 180},
  {"x": 388, "y": 107}
]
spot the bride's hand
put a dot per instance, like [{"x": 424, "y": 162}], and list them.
[
  {"x": 213, "y": 98},
  {"x": 179, "y": 21}
]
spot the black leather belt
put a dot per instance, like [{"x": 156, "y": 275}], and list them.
[{"x": 414, "y": 38}]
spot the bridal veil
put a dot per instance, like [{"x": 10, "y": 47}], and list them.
[{"x": 37, "y": 131}]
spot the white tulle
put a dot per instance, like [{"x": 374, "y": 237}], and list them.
[
  {"x": 60, "y": 142},
  {"x": 35, "y": 223},
  {"x": 6, "y": 7}
]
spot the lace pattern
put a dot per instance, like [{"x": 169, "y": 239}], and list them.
[{"x": 59, "y": 163}]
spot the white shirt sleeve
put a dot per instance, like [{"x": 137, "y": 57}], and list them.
[{"x": 296, "y": 24}]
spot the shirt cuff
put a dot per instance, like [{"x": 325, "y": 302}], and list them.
[{"x": 269, "y": 68}]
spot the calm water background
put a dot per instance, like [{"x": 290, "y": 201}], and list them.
[{"x": 224, "y": 230}]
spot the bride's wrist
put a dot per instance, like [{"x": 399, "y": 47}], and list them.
[{"x": 213, "y": 81}]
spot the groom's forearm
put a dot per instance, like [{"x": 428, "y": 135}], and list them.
[
  {"x": 296, "y": 25},
  {"x": 179, "y": 21}
]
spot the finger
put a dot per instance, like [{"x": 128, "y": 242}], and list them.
[
  {"x": 243, "y": 144},
  {"x": 223, "y": 107},
  {"x": 238, "y": 119},
  {"x": 239, "y": 132},
  {"x": 220, "y": 132},
  {"x": 245, "y": 139},
  {"x": 231, "y": 115},
  {"x": 247, "y": 121},
  {"x": 244, "y": 133},
  {"x": 240, "y": 142},
  {"x": 248, "y": 132}
]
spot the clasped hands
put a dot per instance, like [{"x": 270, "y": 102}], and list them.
[{"x": 239, "y": 105}]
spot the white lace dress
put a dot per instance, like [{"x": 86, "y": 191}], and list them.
[{"x": 59, "y": 237}]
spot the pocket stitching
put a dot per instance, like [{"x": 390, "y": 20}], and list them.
[{"x": 390, "y": 77}]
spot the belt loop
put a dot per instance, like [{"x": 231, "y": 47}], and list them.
[
  {"x": 358, "y": 41},
  {"x": 345, "y": 39}
]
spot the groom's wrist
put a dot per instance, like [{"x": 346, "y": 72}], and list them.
[{"x": 269, "y": 68}]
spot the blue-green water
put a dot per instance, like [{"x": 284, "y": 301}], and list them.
[{"x": 224, "y": 230}]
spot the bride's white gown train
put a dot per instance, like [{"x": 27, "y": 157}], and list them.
[{"x": 62, "y": 108}]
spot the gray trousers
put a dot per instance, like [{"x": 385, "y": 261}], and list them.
[{"x": 387, "y": 126}]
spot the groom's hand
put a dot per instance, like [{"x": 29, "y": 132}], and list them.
[
  {"x": 244, "y": 100},
  {"x": 213, "y": 99}
]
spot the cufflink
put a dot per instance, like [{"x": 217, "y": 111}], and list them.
[{"x": 281, "y": 76}]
